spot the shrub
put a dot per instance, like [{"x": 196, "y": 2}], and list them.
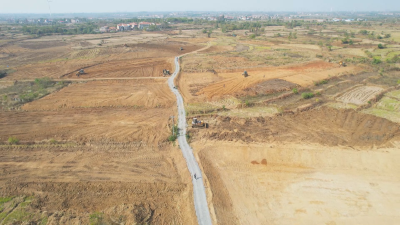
[
  {"x": 43, "y": 82},
  {"x": 13, "y": 140},
  {"x": 345, "y": 41},
  {"x": 188, "y": 136},
  {"x": 172, "y": 138},
  {"x": 380, "y": 46},
  {"x": 376, "y": 61},
  {"x": 247, "y": 103},
  {"x": 3, "y": 74},
  {"x": 307, "y": 95},
  {"x": 53, "y": 141},
  {"x": 295, "y": 91},
  {"x": 398, "y": 81},
  {"x": 317, "y": 83},
  {"x": 388, "y": 35},
  {"x": 252, "y": 36},
  {"x": 96, "y": 218},
  {"x": 28, "y": 97},
  {"x": 223, "y": 107}
]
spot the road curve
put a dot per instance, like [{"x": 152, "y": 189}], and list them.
[{"x": 199, "y": 193}]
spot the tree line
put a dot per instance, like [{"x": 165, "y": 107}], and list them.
[{"x": 86, "y": 28}]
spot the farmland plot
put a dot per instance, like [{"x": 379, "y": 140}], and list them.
[{"x": 360, "y": 95}]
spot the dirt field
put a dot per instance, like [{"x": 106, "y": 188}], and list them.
[
  {"x": 94, "y": 149},
  {"x": 360, "y": 95},
  {"x": 93, "y": 152},
  {"x": 301, "y": 184},
  {"x": 130, "y": 183},
  {"x": 59, "y": 57},
  {"x": 140, "y": 94},
  {"x": 214, "y": 86}
]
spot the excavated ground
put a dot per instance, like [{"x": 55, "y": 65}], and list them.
[
  {"x": 128, "y": 182},
  {"x": 324, "y": 126}
]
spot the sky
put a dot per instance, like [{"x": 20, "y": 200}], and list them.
[{"x": 95, "y": 6}]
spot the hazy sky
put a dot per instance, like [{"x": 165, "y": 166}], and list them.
[{"x": 70, "y": 6}]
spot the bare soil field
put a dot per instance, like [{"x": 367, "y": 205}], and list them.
[
  {"x": 253, "y": 183},
  {"x": 314, "y": 126},
  {"x": 127, "y": 68},
  {"x": 133, "y": 184},
  {"x": 93, "y": 152},
  {"x": 108, "y": 93},
  {"x": 86, "y": 125},
  {"x": 360, "y": 95},
  {"x": 231, "y": 83},
  {"x": 59, "y": 58},
  {"x": 94, "y": 149}
]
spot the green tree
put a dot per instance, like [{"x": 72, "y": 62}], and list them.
[
  {"x": 209, "y": 33},
  {"x": 380, "y": 46},
  {"x": 13, "y": 140}
]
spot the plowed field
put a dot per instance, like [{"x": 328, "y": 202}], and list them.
[
  {"x": 82, "y": 125},
  {"x": 110, "y": 93},
  {"x": 231, "y": 83},
  {"x": 360, "y": 95},
  {"x": 127, "y": 68},
  {"x": 130, "y": 183}
]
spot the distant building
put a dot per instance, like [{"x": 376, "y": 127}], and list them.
[
  {"x": 123, "y": 27},
  {"x": 133, "y": 26},
  {"x": 104, "y": 29},
  {"x": 144, "y": 25}
]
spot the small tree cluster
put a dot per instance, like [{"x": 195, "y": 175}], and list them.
[{"x": 307, "y": 95}]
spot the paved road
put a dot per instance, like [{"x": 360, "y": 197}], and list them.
[{"x": 199, "y": 193}]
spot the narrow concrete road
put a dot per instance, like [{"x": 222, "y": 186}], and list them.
[{"x": 199, "y": 193}]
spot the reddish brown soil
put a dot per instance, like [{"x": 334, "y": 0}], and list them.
[{"x": 326, "y": 126}]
